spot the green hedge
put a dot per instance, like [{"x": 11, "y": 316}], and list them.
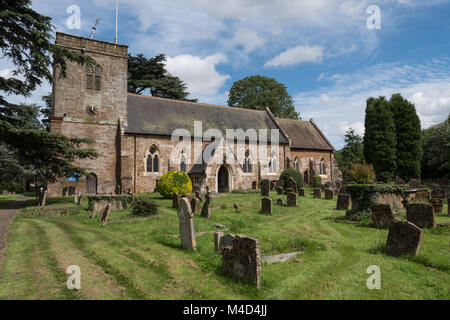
[
  {"x": 367, "y": 195},
  {"x": 143, "y": 207},
  {"x": 316, "y": 182},
  {"x": 174, "y": 181},
  {"x": 126, "y": 200},
  {"x": 294, "y": 174}
]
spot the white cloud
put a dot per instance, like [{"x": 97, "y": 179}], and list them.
[
  {"x": 248, "y": 39},
  {"x": 199, "y": 74},
  {"x": 297, "y": 55}
]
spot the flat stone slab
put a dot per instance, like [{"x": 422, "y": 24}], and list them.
[{"x": 280, "y": 257}]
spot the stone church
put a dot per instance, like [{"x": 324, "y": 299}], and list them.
[{"x": 133, "y": 134}]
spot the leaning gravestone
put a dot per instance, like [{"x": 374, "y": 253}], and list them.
[
  {"x": 243, "y": 260},
  {"x": 382, "y": 215},
  {"x": 422, "y": 195},
  {"x": 206, "y": 210},
  {"x": 343, "y": 201},
  {"x": 265, "y": 188},
  {"x": 280, "y": 202},
  {"x": 195, "y": 205},
  {"x": 329, "y": 194},
  {"x": 266, "y": 205},
  {"x": 105, "y": 214},
  {"x": 175, "y": 200},
  {"x": 292, "y": 199},
  {"x": 186, "y": 222},
  {"x": 438, "y": 204},
  {"x": 403, "y": 238},
  {"x": 421, "y": 214},
  {"x": 301, "y": 192},
  {"x": 317, "y": 193},
  {"x": 226, "y": 241},
  {"x": 217, "y": 237},
  {"x": 236, "y": 207},
  {"x": 279, "y": 190},
  {"x": 292, "y": 184},
  {"x": 438, "y": 194}
]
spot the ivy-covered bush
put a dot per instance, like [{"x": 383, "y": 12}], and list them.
[
  {"x": 294, "y": 174},
  {"x": 316, "y": 182},
  {"x": 174, "y": 181},
  {"x": 366, "y": 195},
  {"x": 143, "y": 207}
]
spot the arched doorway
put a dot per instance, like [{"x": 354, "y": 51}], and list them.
[
  {"x": 223, "y": 180},
  {"x": 91, "y": 184},
  {"x": 306, "y": 177}
]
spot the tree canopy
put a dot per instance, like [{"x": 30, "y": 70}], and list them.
[
  {"x": 436, "y": 151},
  {"x": 259, "y": 92},
  {"x": 151, "y": 74},
  {"x": 351, "y": 153}
]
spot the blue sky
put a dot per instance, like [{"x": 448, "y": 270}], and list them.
[{"x": 322, "y": 50}]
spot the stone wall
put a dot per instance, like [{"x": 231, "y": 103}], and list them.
[{"x": 308, "y": 158}]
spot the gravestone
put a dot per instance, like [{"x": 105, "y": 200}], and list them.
[
  {"x": 217, "y": 237},
  {"x": 95, "y": 208},
  {"x": 290, "y": 183},
  {"x": 236, "y": 207},
  {"x": 403, "y": 238},
  {"x": 343, "y": 201},
  {"x": 301, "y": 192},
  {"x": 64, "y": 192},
  {"x": 272, "y": 185},
  {"x": 438, "y": 194},
  {"x": 226, "y": 241},
  {"x": 243, "y": 260},
  {"x": 4, "y": 192},
  {"x": 279, "y": 190},
  {"x": 414, "y": 183},
  {"x": 422, "y": 195},
  {"x": 105, "y": 214},
  {"x": 266, "y": 205},
  {"x": 206, "y": 210},
  {"x": 292, "y": 199},
  {"x": 254, "y": 185},
  {"x": 438, "y": 204},
  {"x": 288, "y": 190},
  {"x": 198, "y": 196},
  {"x": 317, "y": 193},
  {"x": 280, "y": 202},
  {"x": 421, "y": 214},
  {"x": 188, "y": 196},
  {"x": 186, "y": 222},
  {"x": 175, "y": 200},
  {"x": 329, "y": 194},
  {"x": 195, "y": 205},
  {"x": 382, "y": 215},
  {"x": 265, "y": 188}
]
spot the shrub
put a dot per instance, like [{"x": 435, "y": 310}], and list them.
[
  {"x": 362, "y": 173},
  {"x": 294, "y": 174},
  {"x": 143, "y": 207},
  {"x": 316, "y": 182},
  {"x": 174, "y": 181}
]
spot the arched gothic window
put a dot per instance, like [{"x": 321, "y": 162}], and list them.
[
  {"x": 322, "y": 167},
  {"x": 183, "y": 161},
  {"x": 153, "y": 160},
  {"x": 273, "y": 163},
  {"x": 247, "y": 163},
  {"x": 296, "y": 164}
]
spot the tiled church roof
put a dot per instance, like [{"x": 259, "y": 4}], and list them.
[
  {"x": 157, "y": 116},
  {"x": 304, "y": 135}
]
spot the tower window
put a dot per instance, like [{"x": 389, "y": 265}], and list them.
[{"x": 93, "y": 77}]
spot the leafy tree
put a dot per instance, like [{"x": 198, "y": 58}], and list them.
[
  {"x": 259, "y": 92},
  {"x": 27, "y": 151},
  {"x": 361, "y": 172},
  {"x": 351, "y": 153},
  {"x": 379, "y": 138},
  {"x": 151, "y": 74},
  {"x": 409, "y": 137},
  {"x": 436, "y": 151}
]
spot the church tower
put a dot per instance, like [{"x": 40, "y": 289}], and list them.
[{"x": 91, "y": 102}]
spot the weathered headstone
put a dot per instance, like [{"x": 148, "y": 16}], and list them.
[
  {"x": 175, "y": 200},
  {"x": 254, "y": 185},
  {"x": 64, "y": 192},
  {"x": 236, "y": 207},
  {"x": 292, "y": 199},
  {"x": 317, "y": 193},
  {"x": 301, "y": 192},
  {"x": 438, "y": 204},
  {"x": 4, "y": 192},
  {"x": 226, "y": 241},
  {"x": 186, "y": 222},
  {"x": 266, "y": 205},
  {"x": 438, "y": 194},
  {"x": 217, "y": 237},
  {"x": 290, "y": 183},
  {"x": 422, "y": 195},
  {"x": 206, "y": 210},
  {"x": 329, "y": 194},
  {"x": 243, "y": 260},
  {"x": 195, "y": 205},
  {"x": 188, "y": 196},
  {"x": 414, "y": 183},
  {"x": 403, "y": 238},
  {"x": 272, "y": 185},
  {"x": 279, "y": 190},
  {"x": 280, "y": 202},
  {"x": 421, "y": 214},
  {"x": 265, "y": 188},
  {"x": 382, "y": 215},
  {"x": 105, "y": 214},
  {"x": 343, "y": 201}
]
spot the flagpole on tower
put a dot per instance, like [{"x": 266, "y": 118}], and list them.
[{"x": 117, "y": 19}]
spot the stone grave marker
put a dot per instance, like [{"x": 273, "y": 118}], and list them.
[
  {"x": 226, "y": 241},
  {"x": 186, "y": 222},
  {"x": 195, "y": 205},
  {"x": 343, "y": 201},
  {"x": 329, "y": 194},
  {"x": 280, "y": 202},
  {"x": 105, "y": 214},
  {"x": 175, "y": 200},
  {"x": 292, "y": 184},
  {"x": 438, "y": 204},
  {"x": 292, "y": 199},
  {"x": 422, "y": 195},
  {"x": 243, "y": 260},
  {"x": 236, "y": 207},
  {"x": 217, "y": 237},
  {"x": 403, "y": 238},
  {"x": 301, "y": 192},
  {"x": 206, "y": 210},
  {"x": 421, "y": 214},
  {"x": 382, "y": 215},
  {"x": 279, "y": 190},
  {"x": 438, "y": 194},
  {"x": 266, "y": 205},
  {"x": 265, "y": 188},
  {"x": 317, "y": 193}
]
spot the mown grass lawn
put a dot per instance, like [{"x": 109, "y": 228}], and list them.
[{"x": 139, "y": 258}]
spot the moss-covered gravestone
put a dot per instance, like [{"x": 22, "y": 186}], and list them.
[{"x": 403, "y": 238}]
